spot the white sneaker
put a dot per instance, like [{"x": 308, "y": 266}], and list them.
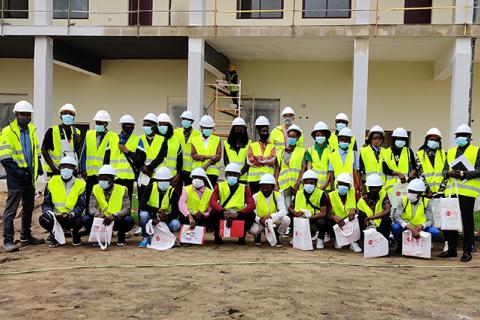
[
  {"x": 327, "y": 238},
  {"x": 287, "y": 233},
  {"x": 137, "y": 231},
  {"x": 335, "y": 244},
  {"x": 320, "y": 244},
  {"x": 355, "y": 247},
  {"x": 315, "y": 237}
]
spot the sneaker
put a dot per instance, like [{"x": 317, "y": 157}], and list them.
[
  {"x": 447, "y": 254},
  {"x": 320, "y": 244},
  {"x": 257, "y": 240},
  {"x": 445, "y": 246},
  {"x": 50, "y": 239},
  {"x": 315, "y": 237},
  {"x": 10, "y": 247},
  {"x": 335, "y": 244},
  {"x": 466, "y": 257},
  {"x": 326, "y": 238},
  {"x": 144, "y": 243},
  {"x": 32, "y": 241},
  {"x": 121, "y": 240},
  {"x": 355, "y": 247},
  {"x": 53, "y": 244},
  {"x": 76, "y": 240},
  {"x": 287, "y": 233},
  {"x": 137, "y": 231}
]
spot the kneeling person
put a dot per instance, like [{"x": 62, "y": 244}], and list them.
[{"x": 194, "y": 202}]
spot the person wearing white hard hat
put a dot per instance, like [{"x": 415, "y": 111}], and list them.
[
  {"x": 372, "y": 155},
  {"x": 236, "y": 147},
  {"x": 341, "y": 121},
  {"x": 185, "y": 134},
  {"x": 261, "y": 155},
  {"x": 343, "y": 201},
  {"x": 374, "y": 207},
  {"x": 207, "y": 150},
  {"x": 159, "y": 203},
  {"x": 231, "y": 201},
  {"x": 317, "y": 155},
  {"x": 464, "y": 181},
  {"x": 291, "y": 165},
  {"x": 279, "y": 135},
  {"x": 311, "y": 203},
  {"x": 61, "y": 140},
  {"x": 20, "y": 156},
  {"x": 110, "y": 201},
  {"x": 194, "y": 203},
  {"x": 413, "y": 213},
  {"x": 270, "y": 208},
  {"x": 400, "y": 160},
  {"x": 174, "y": 158},
  {"x": 95, "y": 149},
  {"x": 64, "y": 202}
]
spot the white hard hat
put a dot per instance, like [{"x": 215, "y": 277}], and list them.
[
  {"x": 23, "y": 106},
  {"x": 294, "y": 127},
  {"x": 198, "y": 172},
  {"x": 232, "y": 167},
  {"x": 239, "y": 122},
  {"x": 320, "y": 126},
  {"x": 163, "y": 117},
  {"x": 345, "y": 178},
  {"x": 400, "y": 133},
  {"x": 68, "y": 107},
  {"x": 417, "y": 185},
  {"x": 187, "y": 115},
  {"x": 463, "y": 128},
  {"x": 107, "y": 169},
  {"x": 207, "y": 122},
  {"x": 434, "y": 132},
  {"x": 288, "y": 110},
  {"x": 310, "y": 174},
  {"x": 341, "y": 116},
  {"x": 151, "y": 117},
  {"x": 163, "y": 173},
  {"x": 68, "y": 160},
  {"x": 374, "y": 180},
  {"x": 103, "y": 116},
  {"x": 126, "y": 118},
  {"x": 376, "y": 129},
  {"x": 262, "y": 121},
  {"x": 345, "y": 132},
  {"x": 267, "y": 179}
]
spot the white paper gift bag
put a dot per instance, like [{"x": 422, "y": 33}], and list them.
[
  {"x": 162, "y": 238},
  {"x": 302, "y": 239},
  {"x": 420, "y": 248},
  {"x": 437, "y": 214},
  {"x": 57, "y": 231},
  {"x": 101, "y": 233},
  {"x": 195, "y": 236},
  {"x": 374, "y": 244},
  {"x": 450, "y": 214},
  {"x": 399, "y": 190},
  {"x": 349, "y": 233},
  {"x": 270, "y": 232}
]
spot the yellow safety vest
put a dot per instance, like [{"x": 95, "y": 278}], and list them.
[
  {"x": 420, "y": 216},
  {"x": 11, "y": 146},
  {"x": 363, "y": 206},
  {"x": 370, "y": 162},
  {"x": 239, "y": 158},
  {"x": 194, "y": 203},
  {"x": 277, "y": 137},
  {"x": 154, "y": 199},
  {"x": 152, "y": 150},
  {"x": 119, "y": 161},
  {"x": 237, "y": 201},
  {"x": 338, "y": 165},
  {"x": 289, "y": 173},
  {"x": 255, "y": 173},
  {"x": 333, "y": 142},
  {"x": 471, "y": 188},
  {"x": 94, "y": 155},
  {"x": 433, "y": 174},
  {"x": 320, "y": 166},
  {"x": 302, "y": 203},
  {"x": 186, "y": 147},
  {"x": 210, "y": 150},
  {"x": 402, "y": 166},
  {"x": 56, "y": 154},
  {"x": 62, "y": 202},
  {"x": 338, "y": 208},
  {"x": 263, "y": 209},
  {"x": 170, "y": 161},
  {"x": 115, "y": 202}
]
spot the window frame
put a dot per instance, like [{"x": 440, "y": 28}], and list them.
[
  {"x": 72, "y": 18},
  {"x": 326, "y": 12},
  {"x": 239, "y": 14},
  {"x": 5, "y": 13}
]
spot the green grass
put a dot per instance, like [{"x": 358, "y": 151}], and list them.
[
  {"x": 135, "y": 206},
  {"x": 477, "y": 221}
]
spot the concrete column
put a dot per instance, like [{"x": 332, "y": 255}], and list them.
[
  {"x": 43, "y": 83},
  {"x": 197, "y": 12},
  {"x": 196, "y": 48},
  {"x": 360, "y": 89},
  {"x": 43, "y": 12},
  {"x": 362, "y": 12},
  {"x": 463, "y": 11},
  {"x": 460, "y": 90}
]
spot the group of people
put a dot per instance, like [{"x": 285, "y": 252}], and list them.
[{"x": 271, "y": 179}]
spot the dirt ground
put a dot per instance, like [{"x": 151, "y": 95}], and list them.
[{"x": 234, "y": 282}]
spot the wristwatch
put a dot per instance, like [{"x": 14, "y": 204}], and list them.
[{"x": 462, "y": 174}]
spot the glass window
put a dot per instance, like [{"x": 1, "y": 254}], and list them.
[
  {"x": 15, "y": 9},
  {"x": 260, "y": 5},
  {"x": 75, "y": 6},
  {"x": 326, "y": 8}
]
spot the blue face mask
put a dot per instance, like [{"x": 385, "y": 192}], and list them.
[
  {"x": 292, "y": 141},
  {"x": 163, "y": 130},
  {"x": 320, "y": 140},
  {"x": 400, "y": 144},
  {"x": 104, "y": 184},
  {"x": 232, "y": 180},
  {"x": 99, "y": 128},
  {"x": 67, "y": 119},
  {"x": 343, "y": 145},
  {"x": 461, "y": 141},
  {"x": 186, "y": 124},
  {"x": 66, "y": 173},
  {"x": 147, "y": 130},
  {"x": 207, "y": 132},
  {"x": 163, "y": 185},
  {"x": 433, "y": 144},
  {"x": 340, "y": 126},
  {"x": 342, "y": 190},
  {"x": 308, "y": 188}
]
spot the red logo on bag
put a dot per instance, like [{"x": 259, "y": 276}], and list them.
[
  {"x": 398, "y": 193},
  {"x": 370, "y": 242},
  {"x": 448, "y": 213},
  {"x": 157, "y": 238}
]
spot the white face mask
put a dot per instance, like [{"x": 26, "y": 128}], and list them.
[
  {"x": 412, "y": 197},
  {"x": 197, "y": 183}
]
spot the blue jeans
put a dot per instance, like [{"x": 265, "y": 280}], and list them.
[
  {"x": 397, "y": 231},
  {"x": 145, "y": 216}
]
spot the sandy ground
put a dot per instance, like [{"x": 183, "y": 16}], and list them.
[{"x": 321, "y": 285}]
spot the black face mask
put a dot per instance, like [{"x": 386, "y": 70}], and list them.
[
  {"x": 373, "y": 194},
  {"x": 267, "y": 194},
  {"x": 128, "y": 130},
  {"x": 23, "y": 122},
  {"x": 264, "y": 136}
]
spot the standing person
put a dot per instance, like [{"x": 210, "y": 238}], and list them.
[
  {"x": 207, "y": 150},
  {"x": 185, "y": 134},
  {"x": 261, "y": 155},
  {"x": 61, "y": 140},
  {"x": 279, "y": 135},
  {"x": 236, "y": 147},
  {"x": 232, "y": 79},
  {"x": 467, "y": 184},
  {"x": 430, "y": 163},
  {"x": 174, "y": 159},
  {"x": 20, "y": 156},
  {"x": 317, "y": 155},
  {"x": 341, "y": 121},
  {"x": 372, "y": 155}
]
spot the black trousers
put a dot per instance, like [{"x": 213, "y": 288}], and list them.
[
  {"x": 384, "y": 228},
  {"x": 467, "y": 205},
  {"x": 129, "y": 183},
  {"x": 27, "y": 196},
  {"x": 74, "y": 224},
  {"x": 216, "y": 216},
  {"x": 90, "y": 182},
  {"x": 322, "y": 225}
]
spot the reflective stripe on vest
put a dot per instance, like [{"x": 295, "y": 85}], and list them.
[
  {"x": 170, "y": 161},
  {"x": 255, "y": 173},
  {"x": 94, "y": 155},
  {"x": 194, "y": 203},
  {"x": 370, "y": 162},
  {"x": 153, "y": 200},
  {"x": 433, "y": 174},
  {"x": 263, "y": 209},
  {"x": 239, "y": 158},
  {"x": 338, "y": 208},
  {"x": 290, "y": 173},
  {"x": 118, "y": 159},
  {"x": 339, "y": 166},
  {"x": 402, "y": 166},
  {"x": 420, "y": 216},
  {"x": 56, "y": 154},
  {"x": 301, "y": 200},
  {"x": 186, "y": 147},
  {"x": 363, "y": 206},
  {"x": 152, "y": 150},
  {"x": 237, "y": 202},
  {"x": 62, "y": 202},
  {"x": 210, "y": 150},
  {"x": 471, "y": 188},
  {"x": 115, "y": 202}
]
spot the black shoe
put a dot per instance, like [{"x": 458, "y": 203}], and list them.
[
  {"x": 32, "y": 241},
  {"x": 466, "y": 257},
  {"x": 448, "y": 254},
  {"x": 258, "y": 240},
  {"x": 121, "y": 239},
  {"x": 76, "y": 239},
  {"x": 241, "y": 241},
  {"x": 50, "y": 239},
  {"x": 10, "y": 247},
  {"x": 53, "y": 243},
  {"x": 218, "y": 240}
]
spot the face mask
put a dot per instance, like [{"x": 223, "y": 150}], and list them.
[
  {"x": 147, "y": 130},
  {"x": 461, "y": 141},
  {"x": 232, "y": 181},
  {"x": 320, "y": 139},
  {"x": 340, "y": 126},
  {"x": 207, "y": 132},
  {"x": 186, "y": 124},
  {"x": 308, "y": 188},
  {"x": 292, "y": 141},
  {"x": 267, "y": 194},
  {"x": 104, "y": 184},
  {"x": 99, "y": 128},
  {"x": 342, "y": 190},
  {"x": 400, "y": 144},
  {"x": 287, "y": 121},
  {"x": 264, "y": 136},
  {"x": 163, "y": 130},
  {"x": 66, "y": 173},
  {"x": 433, "y": 144},
  {"x": 412, "y": 197},
  {"x": 67, "y": 119},
  {"x": 373, "y": 195},
  {"x": 343, "y": 145},
  {"x": 128, "y": 130},
  {"x": 23, "y": 122},
  {"x": 198, "y": 183},
  {"x": 163, "y": 185}
]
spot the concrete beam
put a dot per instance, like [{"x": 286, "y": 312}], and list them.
[
  {"x": 43, "y": 83},
  {"x": 195, "y": 90},
  {"x": 360, "y": 89},
  {"x": 76, "y": 59},
  {"x": 442, "y": 67}
]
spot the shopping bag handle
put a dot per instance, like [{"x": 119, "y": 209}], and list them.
[
  {"x": 149, "y": 227},
  {"x": 455, "y": 183},
  {"x": 102, "y": 246},
  {"x": 346, "y": 234}
]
